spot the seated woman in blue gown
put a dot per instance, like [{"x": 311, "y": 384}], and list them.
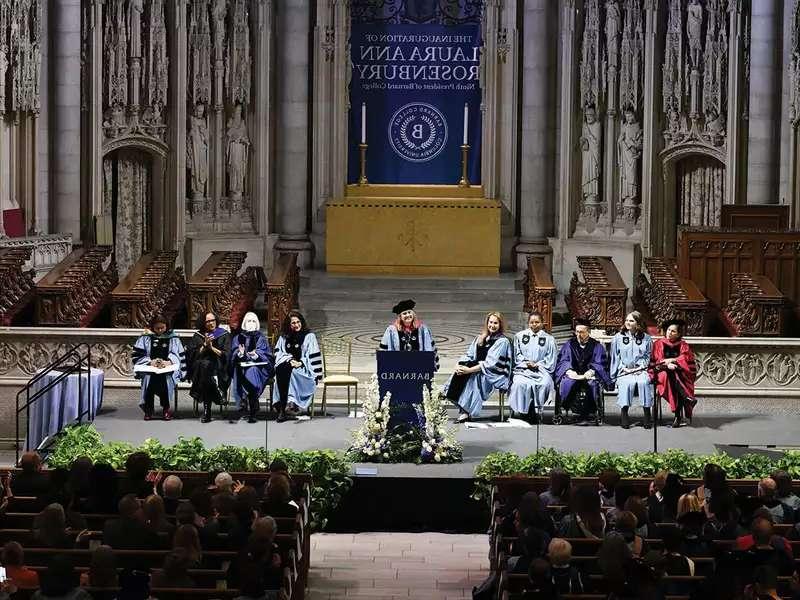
[
  {"x": 630, "y": 357},
  {"x": 298, "y": 366},
  {"x": 408, "y": 333},
  {"x": 484, "y": 368},
  {"x": 248, "y": 382}
]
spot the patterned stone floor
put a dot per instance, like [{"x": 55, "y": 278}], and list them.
[{"x": 422, "y": 566}]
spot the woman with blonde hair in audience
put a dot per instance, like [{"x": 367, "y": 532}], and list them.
[
  {"x": 688, "y": 503},
  {"x": 187, "y": 540}
]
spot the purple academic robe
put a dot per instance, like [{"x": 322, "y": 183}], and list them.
[
  {"x": 580, "y": 360},
  {"x": 251, "y": 380}
]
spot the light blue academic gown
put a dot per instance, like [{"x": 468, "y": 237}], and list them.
[
  {"x": 303, "y": 380},
  {"x": 495, "y": 374},
  {"x": 391, "y": 341},
  {"x": 527, "y": 384},
  {"x": 177, "y": 356},
  {"x": 628, "y": 351}
]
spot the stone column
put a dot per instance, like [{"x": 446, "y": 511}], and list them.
[
  {"x": 733, "y": 171},
  {"x": 262, "y": 141},
  {"x": 651, "y": 215},
  {"x": 176, "y": 185},
  {"x": 292, "y": 23},
  {"x": 784, "y": 117},
  {"x": 65, "y": 116},
  {"x": 537, "y": 188},
  {"x": 41, "y": 223},
  {"x": 763, "y": 140}
]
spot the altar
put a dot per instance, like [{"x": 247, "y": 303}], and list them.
[{"x": 413, "y": 230}]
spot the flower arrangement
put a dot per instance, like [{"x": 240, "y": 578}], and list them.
[{"x": 373, "y": 441}]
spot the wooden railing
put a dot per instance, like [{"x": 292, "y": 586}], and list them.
[
  {"x": 755, "y": 306},
  {"x": 218, "y": 287},
  {"x": 283, "y": 287},
  {"x": 667, "y": 295},
  {"x": 602, "y": 296},
  {"x": 153, "y": 286},
  {"x": 77, "y": 288},
  {"x": 16, "y": 285},
  {"x": 540, "y": 293}
]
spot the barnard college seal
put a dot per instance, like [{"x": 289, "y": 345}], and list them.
[{"x": 417, "y": 132}]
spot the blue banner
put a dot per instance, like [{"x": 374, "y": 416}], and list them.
[
  {"x": 414, "y": 90},
  {"x": 405, "y": 375}
]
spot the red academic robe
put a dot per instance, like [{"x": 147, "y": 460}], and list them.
[{"x": 684, "y": 375}]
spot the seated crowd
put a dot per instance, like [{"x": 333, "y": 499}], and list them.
[
  {"x": 701, "y": 543},
  {"x": 145, "y": 511}
]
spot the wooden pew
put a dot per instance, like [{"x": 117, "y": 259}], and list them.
[
  {"x": 153, "y": 286},
  {"x": 540, "y": 293},
  {"x": 755, "y": 307},
  {"x": 283, "y": 287},
  {"x": 667, "y": 295},
  {"x": 217, "y": 286},
  {"x": 77, "y": 288},
  {"x": 16, "y": 285},
  {"x": 601, "y": 297}
]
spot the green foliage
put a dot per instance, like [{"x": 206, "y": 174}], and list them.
[
  {"x": 329, "y": 469},
  {"x": 636, "y": 464}
]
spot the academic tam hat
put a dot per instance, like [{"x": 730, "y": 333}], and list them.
[
  {"x": 582, "y": 321},
  {"x": 403, "y": 306}
]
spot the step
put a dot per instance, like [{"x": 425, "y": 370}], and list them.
[{"x": 320, "y": 280}]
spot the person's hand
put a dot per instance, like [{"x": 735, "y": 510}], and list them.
[
  {"x": 672, "y": 366},
  {"x": 237, "y": 486},
  {"x": 532, "y": 365},
  {"x": 8, "y": 586},
  {"x": 296, "y": 364},
  {"x": 589, "y": 374},
  {"x": 155, "y": 478},
  {"x": 461, "y": 370},
  {"x": 572, "y": 374},
  {"x": 253, "y": 354}
]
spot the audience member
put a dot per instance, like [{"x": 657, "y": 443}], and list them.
[
  {"x": 530, "y": 513},
  {"x": 172, "y": 489},
  {"x": 243, "y": 517},
  {"x": 638, "y": 507},
  {"x": 258, "y": 556},
  {"x": 50, "y": 529},
  {"x": 586, "y": 519},
  {"x": 223, "y": 483},
  {"x": 765, "y": 550},
  {"x": 691, "y": 525},
  {"x": 784, "y": 491},
  {"x": 249, "y": 495},
  {"x": 128, "y": 532},
  {"x": 625, "y": 527},
  {"x": 612, "y": 559},
  {"x": 187, "y": 541},
  {"x": 277, "y": 498},
  {"x": 57, "y": 490},
  {"x": 13, "y": 559},
  {"x": 559, "y": 489},
  {"x": 155, "y": 519},
  {"x": 674, "y": 561},
  {"x": 29, "y": 481},
  {"x": 79, "y": 484},
  {"x": 621, "y": 495},
  {"x": 714, "y": 481},
  {"x": 103, "y": 494},
  {"x": 656, "y": 508},
  {"x": 767, "y": 491},
  {"x": 723, "y": 518},
  {"x": 688, "y": 503},
  {"x": 540, "y": 582},
  {"x": 137, "y": 466},
  {"x": 532, "y": 544},
  {"x": 175, "y": 572},
  {"x": 566, "y": 578},
  {"x": 60, "y": 582},
  {"x": 746, "y": 540},
  {"x": 102, "y": 571},
  {"x": 608, "y": 480},
  {"x": 201, "y": 500}
]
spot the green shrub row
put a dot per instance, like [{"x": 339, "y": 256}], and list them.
[{"x": 329, "y": 469}]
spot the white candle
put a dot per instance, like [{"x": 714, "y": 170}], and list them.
[
  {"x": 466, "y": 120},
  {"x": 363, "y": 122}
]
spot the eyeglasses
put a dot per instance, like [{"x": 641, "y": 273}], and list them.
[{"x": 211, "y": 321}]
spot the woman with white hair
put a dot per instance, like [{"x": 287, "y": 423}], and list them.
[
  {"x": 298, "y": 366},
  {"x": 252, "y": 365}
]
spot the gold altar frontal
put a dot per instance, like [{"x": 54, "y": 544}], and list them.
[{"x": 413, "y": 230}]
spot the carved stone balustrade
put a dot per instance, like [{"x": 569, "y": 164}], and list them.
[
  {"x": 540, "y": 293},
  {"x": 153, "y": 286},
  {"x": 283, "y": 287},
  {"x": 77, "y": 288},
  {"x": 16, "y": 284},
  {"x": 667, "y": 295},
  {"x": 601, "y": 297},
  {"x": 755, "y": 306},
  {"x": 46, "y": 250},
  {"x": 217, "y": 286}
]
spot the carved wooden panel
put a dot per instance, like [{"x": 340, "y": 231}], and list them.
[
  {"x": 218, "y": 287},
  {"x": 540, "y": 293},
  {"x": 755, "y": 306},
  {"x": 602, "y": 296},
  {"x": 16, "y": 285},
  {"x": 283, "y": 287}
]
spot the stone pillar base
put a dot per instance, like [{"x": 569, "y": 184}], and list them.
[
  {"x": 296, "y": 243},
  {"x": 527, "y": 248}
]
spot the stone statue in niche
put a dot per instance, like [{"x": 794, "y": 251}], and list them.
[
  {"x": 629, "y": 146},
  {"x": 219, "y": 11},
  {"x": 135, "y": 10},
  {"x": 694, "y": 32},
  {"x": 613, "y": 22},
  {"x": 197, "y": 151},
  {"x": 590, "y": 150},
  {"x": 238, "y": 145}
]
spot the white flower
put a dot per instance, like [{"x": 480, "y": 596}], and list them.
[
  {"x": 437, "y": 457},
  {"x": 385, "y": 455}
]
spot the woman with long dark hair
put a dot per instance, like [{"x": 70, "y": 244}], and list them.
[
  {"x": 207, "y": 357},
  {"x": 298, "y": 366},
  {"x": 252, "y": 365},
  {"x": 630, "y": 357},
  {"x": 673, "y": 368}
]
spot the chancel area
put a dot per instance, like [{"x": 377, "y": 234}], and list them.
[{"x": 277, "y": 275}]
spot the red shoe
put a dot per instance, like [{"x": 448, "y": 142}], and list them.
[
  {"x": 167, "y": 415},
  {"x": 147, "y": 417}
]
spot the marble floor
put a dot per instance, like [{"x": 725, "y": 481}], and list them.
[{"x": 422, "y": 566}]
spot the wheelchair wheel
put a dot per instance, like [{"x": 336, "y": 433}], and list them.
[{"x": 557, "y": 419}]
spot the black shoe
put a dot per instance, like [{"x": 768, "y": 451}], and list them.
[
  {"x": 206, "y": 419},
  {"x": 252, "y": 418},
  {"x": 648, "y": 418},
  {"x": 624, "y": 421},
  {"x": 281, "y": 417},
  {"x": 676, "y": 422}
]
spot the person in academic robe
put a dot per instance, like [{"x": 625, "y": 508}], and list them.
[
  {"x": 582, "y": 372},
  {"x": 484, "y": 368},
  {"x": 534, "y": 360},
  {"x": 298, "y": 366},
  {"x": 630, "y": 358},
  {"x": 159, "y": 347},
  {"x": 408, "y": 333},
  {"x": 673, "y": 368},
  {"x": 207, "y": 356},
  {"x": 248, "y": 382}
]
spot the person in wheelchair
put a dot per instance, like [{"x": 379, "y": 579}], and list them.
[{"x": 581, "y": 373}]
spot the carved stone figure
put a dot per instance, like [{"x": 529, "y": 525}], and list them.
[
  {"x": 694, "y": 29},
  {"x": 199, "y": 54},
  {"x": 237, "y": 151},
  {"x": 613, "y": 28},
  {"x": 629, "y": 145},
  {"x": 591, "y": 88},
  {"x": 238, "y": 67},
  {"x": 135, "y": 10},
  {"x": 197, "y": 152},
  {"x": 590, "y": 150},
  {"x": 219, "y": 11}
]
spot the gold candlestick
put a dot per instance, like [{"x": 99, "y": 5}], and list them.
[
  {"x": 362, "y": 179},
  {"x": 464, "y": 155}
]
